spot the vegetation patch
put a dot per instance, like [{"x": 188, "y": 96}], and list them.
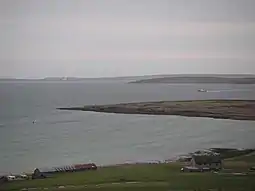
[
  {"x": 220, "y": 109},
  {"x": 149, "y": 177}
]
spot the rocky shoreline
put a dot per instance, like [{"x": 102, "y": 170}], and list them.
[{"x": 219, "y": 109}]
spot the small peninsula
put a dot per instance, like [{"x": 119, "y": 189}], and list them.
[
  {"x": 220, "y": 109},
  {"x": 198, "y": 79}
]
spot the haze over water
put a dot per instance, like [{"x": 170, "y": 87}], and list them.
[{"x": 67, "y": 137}]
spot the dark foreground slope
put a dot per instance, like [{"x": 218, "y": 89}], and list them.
[
  {"x": 160, "y": 177},
  {"x": 199, "y": 79},
  {"x": 222, "y": 109}
]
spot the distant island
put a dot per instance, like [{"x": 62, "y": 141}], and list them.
[
  {"x": 221, "y": 109},
  {"x": 164, "y": 78},
  {"x": 199, "y": 79}
]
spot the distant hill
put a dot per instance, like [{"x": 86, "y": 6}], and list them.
[
  {"x": 161, "y": 78},
  {"x": 200, "y": 79}
]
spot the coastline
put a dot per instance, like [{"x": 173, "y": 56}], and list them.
[
  {"x": 224, "y": 153},
  {"x": 197, "y": 79},
  {"x": 237, "y": 172},
  {"x": 217, "y": 109}
]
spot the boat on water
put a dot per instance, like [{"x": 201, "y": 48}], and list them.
[{"x": 202, "y": 90}]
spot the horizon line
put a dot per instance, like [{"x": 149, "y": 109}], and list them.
[{"x": 124, "y": 76}]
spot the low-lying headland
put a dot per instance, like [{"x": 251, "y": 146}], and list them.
[
  {"x": 220, "y": 109},
  {"x": 198, "y": 79}
]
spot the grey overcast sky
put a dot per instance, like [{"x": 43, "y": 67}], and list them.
[{"x": 93, "y": 38}]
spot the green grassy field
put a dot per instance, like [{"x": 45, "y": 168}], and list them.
[{"x": 158, "y": 177}]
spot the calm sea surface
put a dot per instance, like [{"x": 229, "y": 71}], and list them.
[{"x": 68, "y": 137}]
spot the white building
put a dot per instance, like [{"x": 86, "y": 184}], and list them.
[{"x": 206, "y": 161}]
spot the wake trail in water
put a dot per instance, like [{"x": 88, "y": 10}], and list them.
[{"x": 232, "y": 90}]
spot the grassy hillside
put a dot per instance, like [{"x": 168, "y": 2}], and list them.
[{"x": 158, "y": 177}]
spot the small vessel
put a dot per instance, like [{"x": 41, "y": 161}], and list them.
[{"x": 202, "y": 90}]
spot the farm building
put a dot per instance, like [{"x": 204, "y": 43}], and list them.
[
  {"x": 206, "y": 161},
  {"x": 45, "y": 172}
]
